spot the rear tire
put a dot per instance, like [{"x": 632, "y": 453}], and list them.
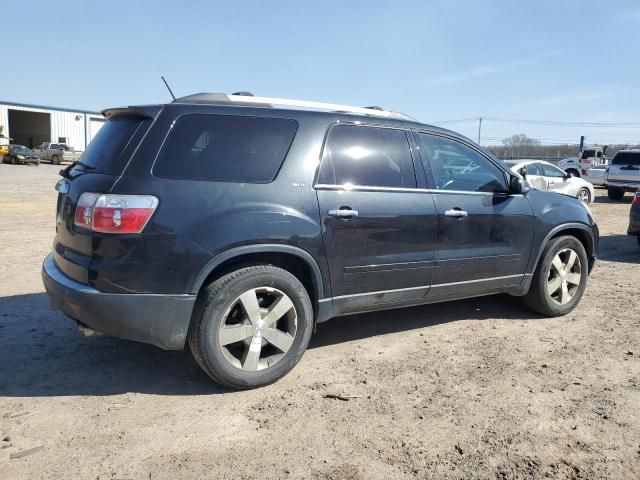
[
  {"x": 615, "y": 193},
  {"x": 638, "y": 240},
  {"x": 573, "y": 172},
  {"x": 55, "y": 160},
  {"x": 224, "y": 314},
  {"x": 557, "y": 287}
]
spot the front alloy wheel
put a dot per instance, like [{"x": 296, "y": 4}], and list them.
[
  {"x": 560, "y": 277},
  {"x": 564, "y": 277},
  {"x": 584, "y": 196}
]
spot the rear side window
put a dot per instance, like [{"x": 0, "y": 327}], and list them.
[
  {"x": 225, "y": 148},
  {"x": 106, "y": 152},
  {"x": 626, "y": 158},
  {"x": 367, "y": 156},
  {"x": 533, "y": 169}
]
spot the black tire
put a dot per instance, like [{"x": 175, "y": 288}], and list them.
[
  {"x": 585, "y": 191},
  {"x": 638, "y": 240},
  {"x": 573, "y": 172},
  {"x": 13, "y": 160},
  {"x": 615, "y": 193},
  {"x": 537, "y": 299},
  {"x": 208, "y": 317},
  {"x": 55, "y": 159}
]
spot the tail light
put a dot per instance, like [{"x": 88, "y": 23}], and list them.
[
  {"x": 108, "y": 213},
  {"x": 584, "y": 172},
  {"x": 636, "y": 198}
]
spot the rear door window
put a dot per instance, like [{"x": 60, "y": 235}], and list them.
[
  {"x": 626, "y": 158},
  {"x": 367, "y": 156},
  {"x": 107, "y": 152},
  {"x": 225, "y": 148}
]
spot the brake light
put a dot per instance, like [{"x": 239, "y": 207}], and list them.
[
  {"x": 636, "y": 198},
  {"x": 114, "y": 213}
]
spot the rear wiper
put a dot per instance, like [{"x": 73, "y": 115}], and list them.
[{"x": 65, "y": 171}]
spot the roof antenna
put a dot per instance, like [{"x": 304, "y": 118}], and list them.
[{"x": 168, "y": 87}]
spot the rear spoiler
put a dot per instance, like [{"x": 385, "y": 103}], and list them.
[{"x": 147, "y": 111}]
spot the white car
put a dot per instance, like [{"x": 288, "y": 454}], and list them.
[
  {"x": 596, "y": 175},
  {"x": 543, "y": 175}
]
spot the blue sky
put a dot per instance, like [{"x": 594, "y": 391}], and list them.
[{"x": 557, "y": 60}]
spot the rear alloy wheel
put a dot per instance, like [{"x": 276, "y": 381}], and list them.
[
  {"x": 560, "y": 278},
  {"x": 251, "y": 326},
  {"x": 615, "y": 193},
  {"x": 584, "y": 196}
]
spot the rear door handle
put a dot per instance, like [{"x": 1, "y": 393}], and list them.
[
  {"x": 343, "y": 213},
  {"x": 456, "y": 213}
]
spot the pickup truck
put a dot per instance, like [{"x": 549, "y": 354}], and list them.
[
  {"x": 56, "y": 152},
  {"x": 589, "y": 156}
]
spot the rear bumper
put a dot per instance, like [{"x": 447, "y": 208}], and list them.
[
  {"x": 626, "y": 186},
  {"x": 161, "y": 320}
]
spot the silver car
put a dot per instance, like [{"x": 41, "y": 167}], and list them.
[{"x": 543, "y": 175}]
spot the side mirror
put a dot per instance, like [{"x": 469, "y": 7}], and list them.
[{"x": 518, "y": 186}]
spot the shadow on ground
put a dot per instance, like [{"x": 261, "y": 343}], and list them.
[
  {"x": 42, "y": 353},
  {"x": 619, "y": 248}
]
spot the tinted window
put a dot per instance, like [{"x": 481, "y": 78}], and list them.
[
  {"x": 588, "y": 153},
  {"x": 552, "y": 171},
  {"x": 369, "y": 156},
  {"x": 225, "y": 148},
  {"x": 626, "y": 158},
  {"x": 105, "y": 152},
  {"x": 456, "y": 166}
]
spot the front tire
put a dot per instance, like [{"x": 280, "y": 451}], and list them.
[
  {"x": 584, "y": 195},
  {"x": 615, "y": 193},
  {"x": 560, "y": 278},
  {"x": 251, "y": 326}
]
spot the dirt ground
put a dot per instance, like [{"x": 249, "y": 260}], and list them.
[{"x": 473, "y": 389}]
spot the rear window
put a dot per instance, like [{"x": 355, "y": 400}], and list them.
[
  {"x": 225, "y": 148},
  {"x": 626, "y": 158},
  {"x": 106, "y": 152}
]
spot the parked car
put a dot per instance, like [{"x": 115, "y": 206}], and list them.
[
  {"x": 21, "y": 154},
  {"x": 634, "y": 218},
  {"x": 56, "y": 153},
  {"x": 236, "y": 223},
  {"x": 623, "y": 174},
  {"x": 596, "y": 175},
  {"x": 546, "y": 176}
]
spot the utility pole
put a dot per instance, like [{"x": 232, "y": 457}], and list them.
[{"x": 479, "y": 129}]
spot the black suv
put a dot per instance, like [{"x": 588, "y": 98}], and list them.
[{"x": 236, "y": 223}]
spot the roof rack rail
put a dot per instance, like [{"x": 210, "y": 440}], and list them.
[{"x": 246, "y": 100}]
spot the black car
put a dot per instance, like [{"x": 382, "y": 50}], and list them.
[
  {"x": 236, "y": 223},
  {"x": 21, "y": 154},
  {"x": 634, "y": 218}
]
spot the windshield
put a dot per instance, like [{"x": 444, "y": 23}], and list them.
[
  {"x": 21, "y": 150},
  {"x": 104, "y": 153}
]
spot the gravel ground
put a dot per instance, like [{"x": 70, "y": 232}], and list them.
[{"x": 473, "y": 389}]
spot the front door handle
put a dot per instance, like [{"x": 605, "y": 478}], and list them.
[
  {"x": 456, "y": 213},
  {"x": 343, "y": 212}
]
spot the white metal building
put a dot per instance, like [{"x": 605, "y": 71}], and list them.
[{"x": 30, "y": 125}]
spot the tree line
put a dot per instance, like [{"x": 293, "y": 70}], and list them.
[{"x": 522, "y": 146}]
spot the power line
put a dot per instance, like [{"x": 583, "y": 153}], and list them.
[{"x": 542, "y": 122}]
